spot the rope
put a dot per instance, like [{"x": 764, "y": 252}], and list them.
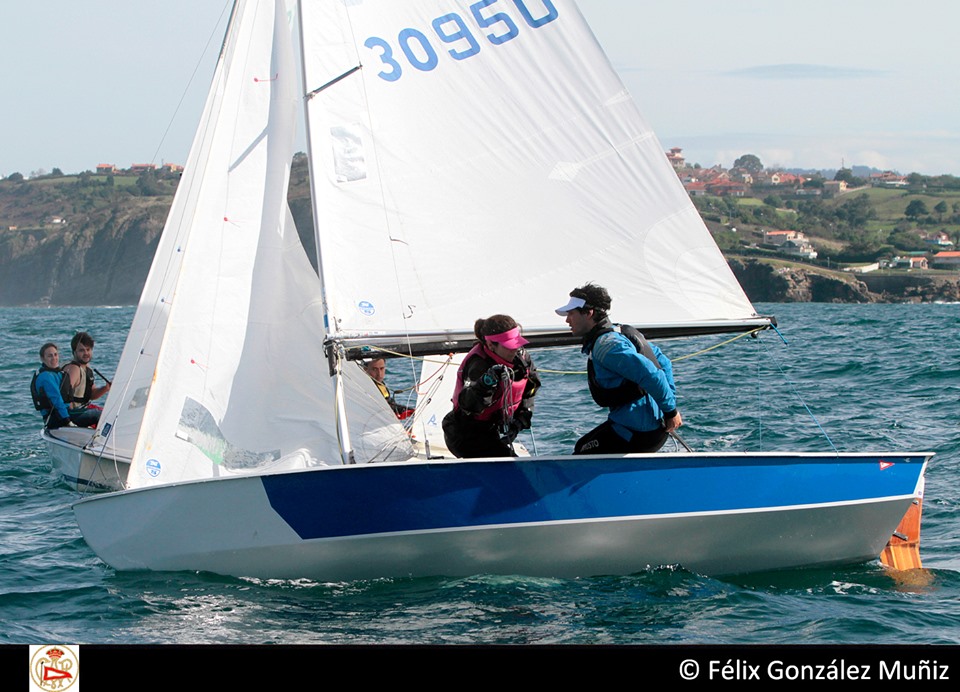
[
  {"x": 722, "y": 343},
  {"x": 398, "y": 354}
]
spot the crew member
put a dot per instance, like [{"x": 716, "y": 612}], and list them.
[
  {"x": 493, "y": 396},
  {"x": 49, "y": 388},
  {"x": 80, "y": 376},
  {"x": 627, "y": 374},
  {"x": 377, "y": 370}
]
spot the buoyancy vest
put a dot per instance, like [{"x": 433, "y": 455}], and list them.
[
  {"x": 628, "y": 390},
  {"x": 402, "y": 412},
  {"x": 517, "y": 386},
  {"x": 41, "y": 401},
  {"x": 83, "y": 392}
]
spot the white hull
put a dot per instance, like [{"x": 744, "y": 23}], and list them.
[
  {"x": 261, "y": 526},
  {"x": 81, "y": 470}
]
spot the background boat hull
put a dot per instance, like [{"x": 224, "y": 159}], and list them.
[
  {"x": 81, "y": 470},
  {"x": 561, "y": 516}
]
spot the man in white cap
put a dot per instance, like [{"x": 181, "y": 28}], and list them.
[{"x": 626, "y": 374}]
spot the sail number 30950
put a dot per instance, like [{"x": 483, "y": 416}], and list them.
[{"x": 451, "y": 29}]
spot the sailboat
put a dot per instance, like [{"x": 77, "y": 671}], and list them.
[{"x": 489, "y": 141}]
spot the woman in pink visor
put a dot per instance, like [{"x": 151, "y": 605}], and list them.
[{"x": 493, "y": 397}]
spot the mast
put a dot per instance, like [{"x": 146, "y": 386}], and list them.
[{"x": 334, "y": 351}]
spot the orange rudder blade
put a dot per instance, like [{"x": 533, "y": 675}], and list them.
[{"x": 903, "y": 548}]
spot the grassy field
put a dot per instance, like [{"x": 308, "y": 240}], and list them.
[{"x": 891, "y": 204}]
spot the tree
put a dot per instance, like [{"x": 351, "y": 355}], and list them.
[
  {"x": 148, "y": 185},
  {"x": 856, "y": 212},
  {"x": 847, "y": 176},
  {"x": 15, "y": 177},
  {"x": 844, "y": 174},
  {"x": 862, "y": 250},
  {"x": 906, "y": 240},
  {"x": 941, "y": 209},
  {"x": 727, "y": 240},
  {"x": 916, "y": 209},
  {"x": 749, "y": 162},
  {"x": 57, "y": 172}
]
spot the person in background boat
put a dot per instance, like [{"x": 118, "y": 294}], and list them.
[
  {"x": 80, "y": 376},
  {"x": 493, "y": 395},
  {"x": 627, "y": 374},
  {"x": 377, "y": 370},
  {"x": 49, "y": 388}
]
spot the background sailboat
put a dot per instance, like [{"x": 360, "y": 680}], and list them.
[{"x": 465, "y": 159}]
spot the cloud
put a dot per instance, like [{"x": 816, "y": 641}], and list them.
[{"x": 802, "y": 71}]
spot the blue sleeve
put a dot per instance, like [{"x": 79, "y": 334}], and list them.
[
  {"x": 49, "y": 384},
  {"x": 618, "y": 355},
  {"x": 667, "y": 367}
]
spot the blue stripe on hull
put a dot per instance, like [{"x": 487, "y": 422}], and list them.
[{"x": 364, "y": 500}]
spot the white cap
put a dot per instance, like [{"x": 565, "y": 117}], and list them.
[{"x": 574, "y": 304}]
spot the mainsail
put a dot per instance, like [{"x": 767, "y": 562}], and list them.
[{"x": 484, "y": 157}]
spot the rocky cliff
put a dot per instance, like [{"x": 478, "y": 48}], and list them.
[
  {"x": 99, "y": 259},
  {"x": 770, "y": 282},
  {"x": 90, "y": 241}
]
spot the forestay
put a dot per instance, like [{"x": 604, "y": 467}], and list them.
[{"x": 486, "y": 158}]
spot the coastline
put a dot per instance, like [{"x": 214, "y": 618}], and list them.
[
  {"x": 774, "y": 281},
  {"x": 764, "y": 281}
]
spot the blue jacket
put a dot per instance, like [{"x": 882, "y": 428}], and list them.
[
  {"x": 48, "y": 384},
  {"x": 614, "y": 359}
]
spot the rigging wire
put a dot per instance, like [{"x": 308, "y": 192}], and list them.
[
  {"x": 797, "y": 394},
  {"x": 759, "y": 400},
  {"x": 672, "y": 360},
  {"x": 196, "y": 68}
]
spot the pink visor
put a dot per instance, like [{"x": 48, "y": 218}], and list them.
[{"x": 510, "y": 339}]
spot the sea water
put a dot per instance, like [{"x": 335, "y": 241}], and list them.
[{"x": 845, "y": 377}]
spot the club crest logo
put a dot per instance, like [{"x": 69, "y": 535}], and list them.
[
  {"x": 54, "y": 667},
  {"x": 152, "y": 467}
]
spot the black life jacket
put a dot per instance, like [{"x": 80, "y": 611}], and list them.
[
  {"x": 41, "y": 401},
  {"x": 628, "y": 390}
]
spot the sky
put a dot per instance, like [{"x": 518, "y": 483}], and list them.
[{"x": 818, "y": 84}]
